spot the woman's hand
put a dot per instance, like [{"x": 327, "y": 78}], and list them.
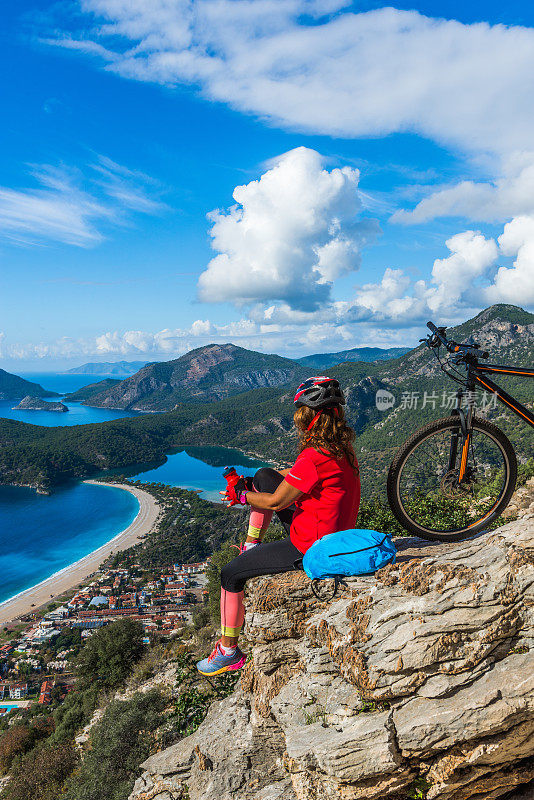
[{"x": 235, "y": 494}]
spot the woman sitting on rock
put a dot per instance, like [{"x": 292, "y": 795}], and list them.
[{"x": 319, "y": 495}]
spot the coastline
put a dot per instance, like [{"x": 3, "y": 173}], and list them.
[{"x": 70, "y": 576}]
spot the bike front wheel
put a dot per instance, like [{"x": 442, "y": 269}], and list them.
[{"x": 442, "y": 488}]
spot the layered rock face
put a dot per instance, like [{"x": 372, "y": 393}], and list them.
[
  {"x": 415, "y": 682},
  {"x": 522, "y": 502}
]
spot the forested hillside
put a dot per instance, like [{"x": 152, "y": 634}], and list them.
[
  {"x": 12, "y": 387},
  {"x": 92, "y": 390}
]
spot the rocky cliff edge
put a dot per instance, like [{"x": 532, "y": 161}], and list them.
[{"x": 415, "y": 682}]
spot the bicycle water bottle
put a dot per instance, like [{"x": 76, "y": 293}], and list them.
[{"x": 231, "y": 477}]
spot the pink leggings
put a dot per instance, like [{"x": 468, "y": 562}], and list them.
[
  {"x": 232, "y": 609},
  {"x": 269, "y": 559},
  {"x": 259, "y": 518}
]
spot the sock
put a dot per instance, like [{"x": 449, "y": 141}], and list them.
[
  {"x": 254, "y": 532},
  {"x": 228, "y": 651},
  {"x": 259, "y": 519},
  {"x": 232, "y": 612}
]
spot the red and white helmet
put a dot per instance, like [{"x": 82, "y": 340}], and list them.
[{"x": 319, "y": 392}]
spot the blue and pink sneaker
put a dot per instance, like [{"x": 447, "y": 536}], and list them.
[{"x": 217, "y": 662}]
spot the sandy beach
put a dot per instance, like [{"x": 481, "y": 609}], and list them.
[{"x": 75, "y": 573}]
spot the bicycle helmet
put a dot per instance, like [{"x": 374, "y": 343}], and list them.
[{"x": 319, "y": 392}]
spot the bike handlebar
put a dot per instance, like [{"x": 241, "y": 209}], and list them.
[
  {"x": 452, "y": 346},
  {"x": 439, "y": 333}
]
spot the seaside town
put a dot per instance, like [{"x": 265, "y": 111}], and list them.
[{"x": 36, "y": 655}]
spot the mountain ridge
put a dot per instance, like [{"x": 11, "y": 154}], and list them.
[
  {"x": 91, "y": 390},
  {"x": 367, "y": 354},
  {"x": 208, "y": 373},
  {"x": 204, "y": 374},
  {"x": 122, "y": 368}
]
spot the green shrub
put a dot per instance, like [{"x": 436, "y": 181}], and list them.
[
  {"x": 14, "y": 742},
  {"x": 196, "y": 695},
  {"x": 19, "y": 738},
  {"x": 75, "y": 712},
  {"x": 148, "y": 665},
  {"x": 41, "y": 773},
  {"x": 110, "y": 654},
  {"x": 201, "y": 617},
  {"x": 118, "y": 744}
]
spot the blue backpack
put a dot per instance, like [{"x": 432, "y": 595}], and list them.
[{"x": 345, "y": 553}]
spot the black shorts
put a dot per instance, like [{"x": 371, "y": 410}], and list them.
[{"x": 270, "y": 558}]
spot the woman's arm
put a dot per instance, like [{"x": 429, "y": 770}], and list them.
[
  {"x": 284, "y": 472},
  {"x": 283, "y": 496}
]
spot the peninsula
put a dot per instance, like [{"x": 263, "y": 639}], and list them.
[{"x": 122, "y": 368}]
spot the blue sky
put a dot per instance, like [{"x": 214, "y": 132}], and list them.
[{"x": 126, "y": 124}]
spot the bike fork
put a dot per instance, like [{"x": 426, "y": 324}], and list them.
[{"x": 464, "y": 431}]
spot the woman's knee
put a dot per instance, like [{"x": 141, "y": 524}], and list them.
[
  {"x": 229, "y": 580},
  {"x": 267, "y": 479}
]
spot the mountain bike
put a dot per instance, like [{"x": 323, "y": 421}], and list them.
[{"x": 455, "y": 476}]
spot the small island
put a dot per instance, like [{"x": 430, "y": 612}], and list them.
[{"x": 30, "y": 403}]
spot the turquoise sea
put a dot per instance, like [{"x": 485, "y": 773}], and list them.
[
  {"x": 44, "y": 534},
  {"x": 41, "y": 535},
  {"x": 197, "y": 468},
  {"x": 76, "y": 415}
]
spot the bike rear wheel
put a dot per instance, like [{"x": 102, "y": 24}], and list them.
[{"x": 425, "y": 491}]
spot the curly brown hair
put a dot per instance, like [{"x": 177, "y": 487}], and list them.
[{"x": 330, "y": 432}]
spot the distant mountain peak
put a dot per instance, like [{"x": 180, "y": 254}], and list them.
[
  {"x": 119, "y": 368},
  {"x": 211, "y": 372},
  {"x": 368, "y": 354},
  {"x": 505, "y": 312}
]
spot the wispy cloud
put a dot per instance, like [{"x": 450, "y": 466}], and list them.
[
  {"x": 343, "y": 74},
  {"x": 75, "y": 207}
]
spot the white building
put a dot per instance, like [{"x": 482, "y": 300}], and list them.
[
  {"x": 59, "y": 665},
  {"x": 18, "y": 690},
  {"x": 43, "y": 635},
  {"x": 59, "y": 613}
]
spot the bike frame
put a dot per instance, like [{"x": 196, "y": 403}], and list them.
[{"x": 477, "y": 375}]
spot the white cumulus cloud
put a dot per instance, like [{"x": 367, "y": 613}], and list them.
[
  {"x": 471, "y": 257},
  {"x": 515, "y": 284},
  {"x": 289, "y": 236}
]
